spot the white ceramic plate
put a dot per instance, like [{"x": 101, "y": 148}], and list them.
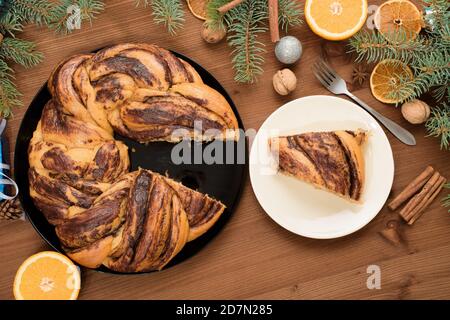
[{"x": 300, "y": 207}]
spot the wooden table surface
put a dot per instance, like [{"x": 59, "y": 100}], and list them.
[{"x": 253, "y": 257}]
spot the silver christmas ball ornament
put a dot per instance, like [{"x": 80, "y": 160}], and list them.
[
  {"x": 288, "y": 50},
  {"x": 430, "y": 18}
]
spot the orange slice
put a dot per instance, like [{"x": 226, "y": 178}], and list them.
[
  {"x": 386, "y": 78},
  {"x": 198, "y": 8},
  {"x": 398, "y": 18},
  {"x": 47, "y": 275},
  {"x": 335, "y": 19}
]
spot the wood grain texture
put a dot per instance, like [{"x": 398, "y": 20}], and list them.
[{"x": 253, "y": 257}]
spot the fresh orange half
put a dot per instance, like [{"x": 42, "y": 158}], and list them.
[
  {"x": 198, "y": 8},
  {"x": 386, "y": 78},
  {"x": 397, "y": 19},
  {"x": 335, "y": 19},
  {"x": 47, "y": 275}
]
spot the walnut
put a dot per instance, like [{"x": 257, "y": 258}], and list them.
[
  {"x": 416, "y": 111},
  {"x": 211, "y": 34},
  {"x": 284, "y": 81}
]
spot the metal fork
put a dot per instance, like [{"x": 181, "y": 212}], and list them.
[{"x": 334, "y": 83}]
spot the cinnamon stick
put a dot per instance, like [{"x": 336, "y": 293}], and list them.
[
  {"x": 411, "y": 188},
  {"x": 273, "y": 21},
  {"x": 412, "y": 204},
  {"x": 230, "y": 5},
  {"x": 420, "y": 209}
]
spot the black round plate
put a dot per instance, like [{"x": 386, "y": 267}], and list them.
[{"x": 222, "y": 181}]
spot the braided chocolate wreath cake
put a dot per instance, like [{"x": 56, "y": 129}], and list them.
[{"x": 79, "y": 174}]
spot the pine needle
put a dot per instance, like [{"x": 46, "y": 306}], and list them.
[
  {"x": 10, "y": 23},
  {"x": 65, "y": 12},
  {"x": 438, "y": 125},
  {"x": 9, "y": 95},
  {"x": 373, "y": 47},
  {"x": 289, "y": 14},
  {"x": 431, "y": 70},
  {"x": 166, "y": 12},
  {"x": 245, "y": 22},
  {"x": 90, "y": 9},
  {"x": 33, "y": 11},
  {"x": 20, "y": 51},
  {"x": 441, "y": 92}
]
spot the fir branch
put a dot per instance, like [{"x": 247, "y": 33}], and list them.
[
  {"x": 166, "y": 12},
  {"x": 20, "y": 51},
  {"x": 408, "y": 89},
  {"x": 10, "y": 23},
  {"x": 5, "y": 70},
  {"x": 438, "y": 125},
  {"x": 61, "y": 13},
  {"x": 442, "y": 92},
  {"x": 9, "y": 95},
  {"x": 430, "y": 64},
  {"x": 245, "y": 22},
  {"x": 59, "y": 17},
  {"x": 436, "y": 63},
  {"x": 90, "y": 8},
  {"x": 430, "y": 70},
  {"x": 33, "y": 11},
  {"x": 373, "y": 47},
  {"x": 289, "y": 14},
  {"x": 442, "y": 36}
]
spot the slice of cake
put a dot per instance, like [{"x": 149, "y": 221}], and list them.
[{"x": 332, "y": 161}]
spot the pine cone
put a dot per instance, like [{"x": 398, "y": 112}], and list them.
[{"x": 10, "y": 209}]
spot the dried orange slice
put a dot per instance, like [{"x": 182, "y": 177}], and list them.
[
  {"x": 335, "y": 19},
  {"x": 47, "y": 275},
  {"x": 397, "y": 19},
  {"x": 386, "y": 78},
  {"x": 198, "y": 8}
]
